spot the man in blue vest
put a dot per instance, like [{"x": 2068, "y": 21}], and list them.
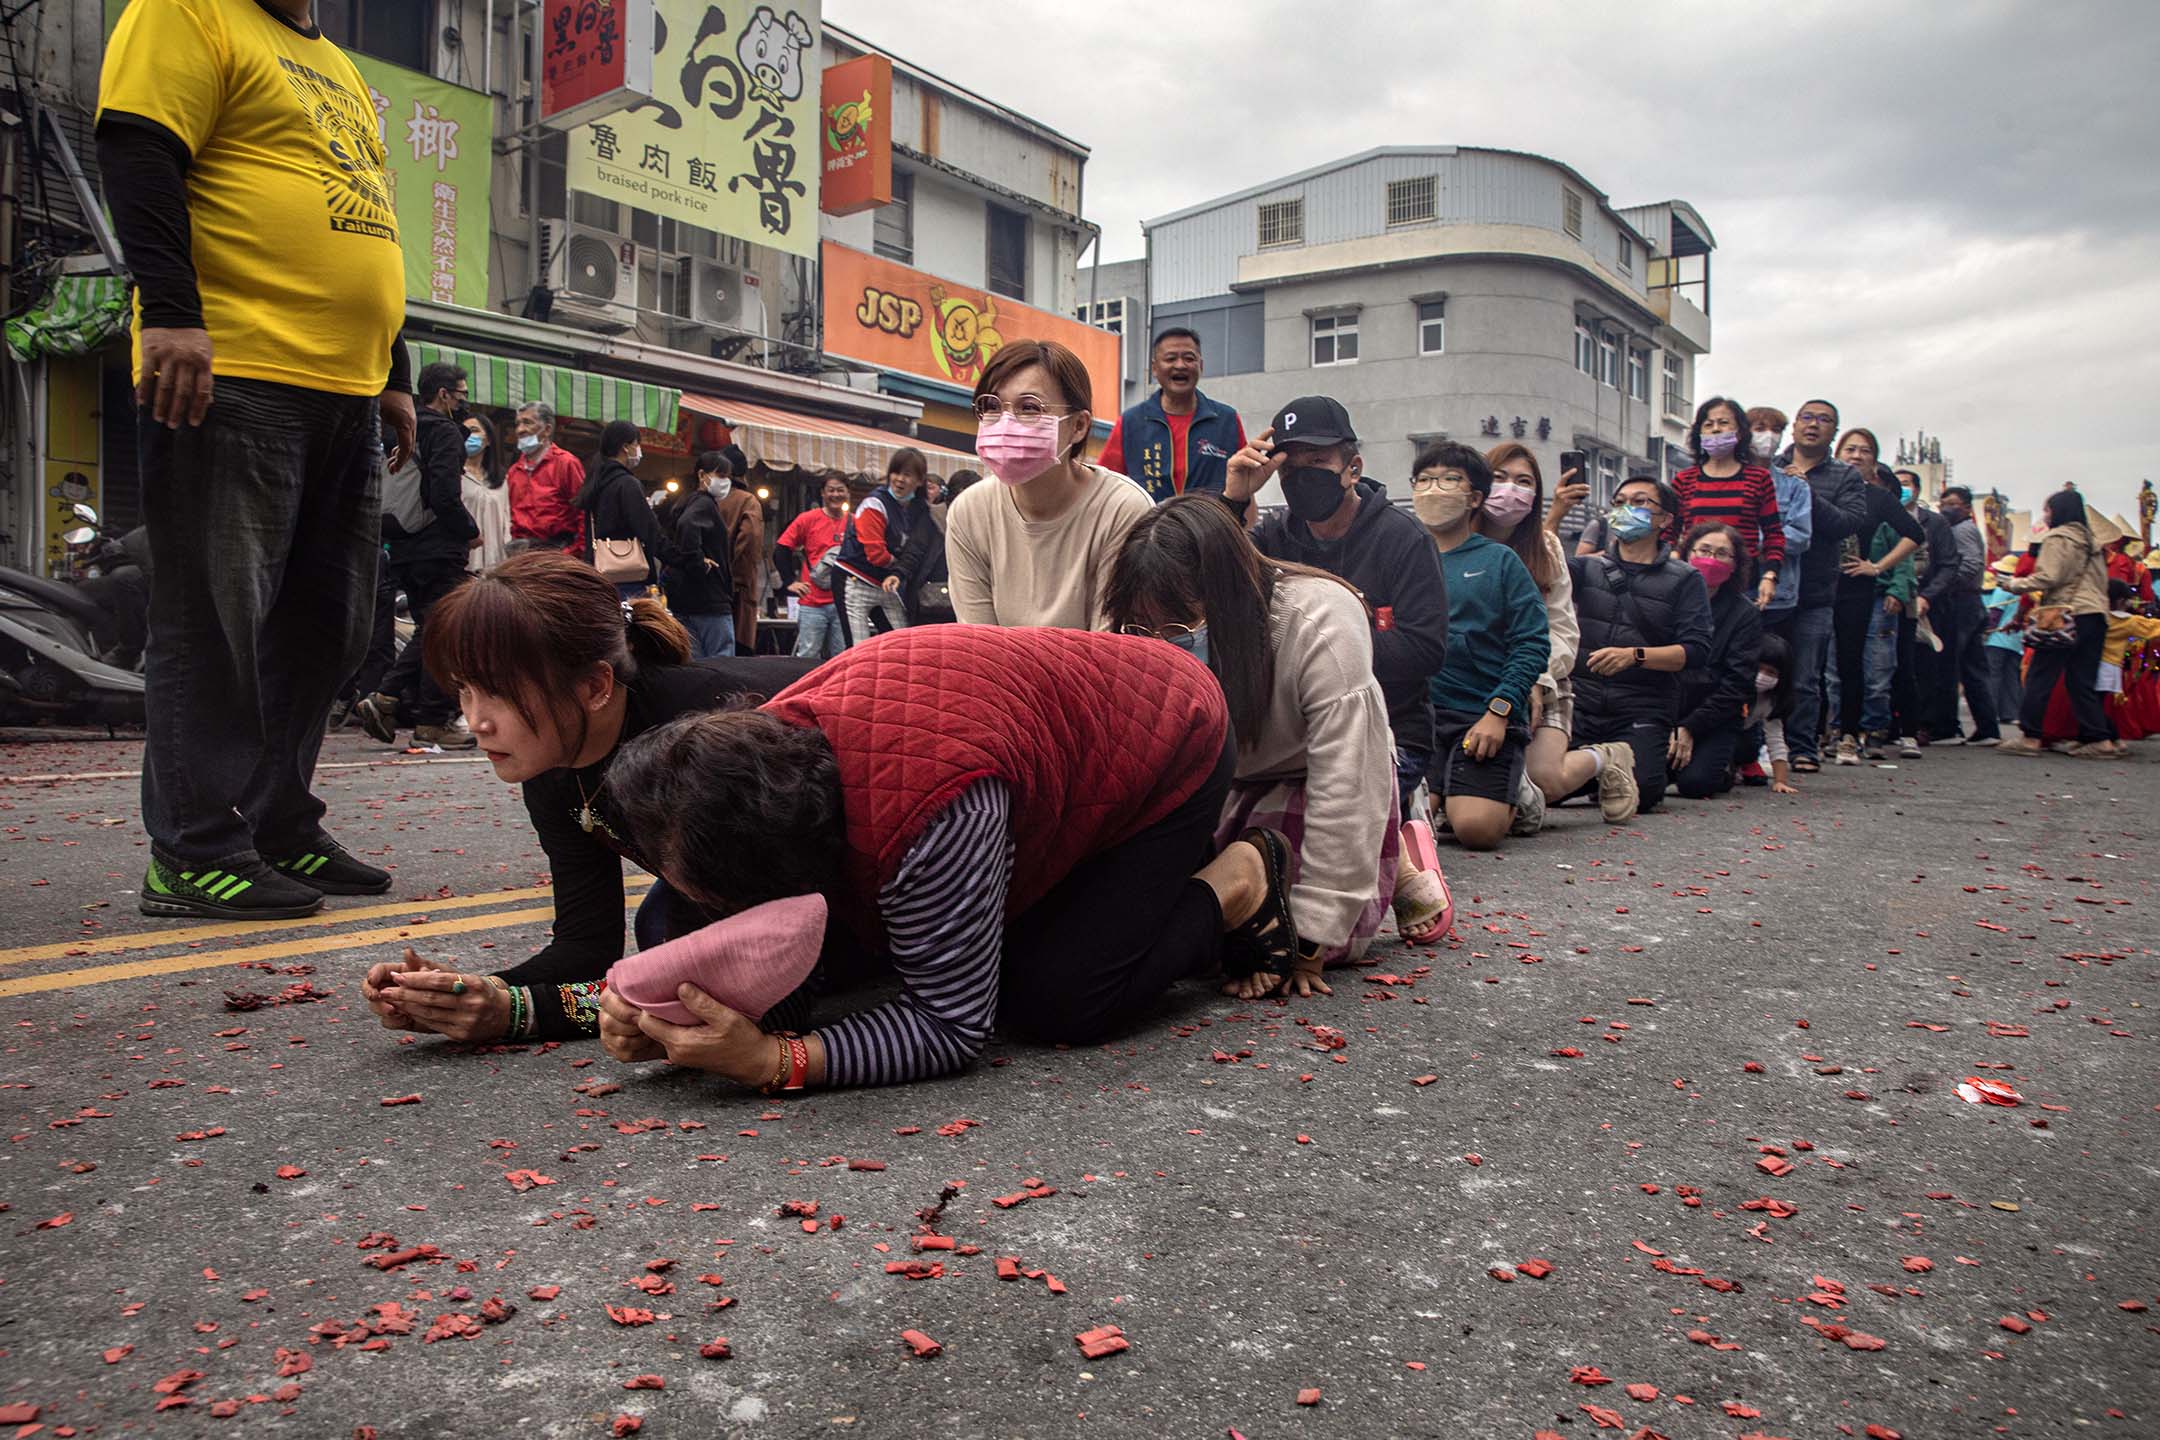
[{"x": 1177, "y": 439}]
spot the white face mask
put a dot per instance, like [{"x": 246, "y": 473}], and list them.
[
  {"x": 1764, "y": 444},
  {"x": 721, "y": 486},
  {"x": 634, "y": 459},
  {"x": 530, "y": 443},
  {"x": 1765, "y": 681}
]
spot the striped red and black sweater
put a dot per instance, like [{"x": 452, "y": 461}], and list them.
[{"x": 1745, "y": 500}]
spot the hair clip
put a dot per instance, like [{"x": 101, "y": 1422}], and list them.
[{"x": 629, "y": 613}]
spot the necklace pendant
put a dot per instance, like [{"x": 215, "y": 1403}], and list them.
[{"x": 586, "y": 819}]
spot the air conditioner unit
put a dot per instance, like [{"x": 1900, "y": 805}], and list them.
[
  {"x": 716, "y": 294},
  {"x": 594, "y": 276}
]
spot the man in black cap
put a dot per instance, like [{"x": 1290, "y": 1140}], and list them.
[{"x": 1341, "y": 522}]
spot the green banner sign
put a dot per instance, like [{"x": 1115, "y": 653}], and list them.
[{"x": 441, "y": 142}]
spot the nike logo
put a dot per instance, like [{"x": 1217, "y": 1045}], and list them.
[{"x": 1471, "y": 574}]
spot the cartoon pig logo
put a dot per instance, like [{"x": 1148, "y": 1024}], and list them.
[{"x": 771, "y": 52}]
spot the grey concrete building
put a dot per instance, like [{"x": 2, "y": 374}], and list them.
[{"x": 1443, "y": 291}]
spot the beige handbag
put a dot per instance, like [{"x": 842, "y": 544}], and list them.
[{"x": 622, "y": 561}]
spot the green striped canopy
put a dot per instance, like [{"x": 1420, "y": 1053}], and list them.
[
  {"x": 573, "y": 393},
  {"x": 81, "y": 314}
]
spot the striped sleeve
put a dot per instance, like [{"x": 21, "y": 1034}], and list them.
[{"x": 945, "y": 927}]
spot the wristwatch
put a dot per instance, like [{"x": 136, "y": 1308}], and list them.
[
  {"x": 1638, "y": 654},
  {"x": 1500, "y": 707}
]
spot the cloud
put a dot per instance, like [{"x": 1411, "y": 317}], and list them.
[{"x": 1944, "y": 213}]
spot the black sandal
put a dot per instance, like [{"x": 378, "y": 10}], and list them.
[{"x": 1269, "y": 940}]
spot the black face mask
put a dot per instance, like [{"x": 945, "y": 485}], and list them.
[{"x": 1313, "y": 492}]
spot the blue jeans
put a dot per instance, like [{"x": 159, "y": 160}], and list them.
[
  {"x": 1880, "y": 668},
  {"x": 817, "y": 633},
  {"x": 265, "y": 541},
  {"x": 711, "y": 636},
  {"x": 1808, "y": 634}
]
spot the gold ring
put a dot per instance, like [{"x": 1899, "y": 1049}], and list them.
[{"x": 457, "y": 987}]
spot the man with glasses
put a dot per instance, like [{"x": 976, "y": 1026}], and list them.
[
  {"x": 1177, "y": 439},
  {"x": 1645, "y": 617},
  {"x": 1341, "y": 522},
  {"x": 427, "y": 562},
  {"x": 1839, "y": 507}
]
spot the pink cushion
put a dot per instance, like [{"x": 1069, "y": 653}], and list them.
[{"x": 748, "y": 962}]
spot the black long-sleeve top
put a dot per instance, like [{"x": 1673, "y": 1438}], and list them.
[
  {"x": 615, "y": 498},
  {"x": 1714, "y": 695},
  {"x": 587, "y": 865}
]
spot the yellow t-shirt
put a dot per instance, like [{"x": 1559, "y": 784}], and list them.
[{"x": 295, "y": 241}]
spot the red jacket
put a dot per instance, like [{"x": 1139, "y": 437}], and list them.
[
  {"x": 1096, "y": 737},
  {"x": 543, "y": 497}
]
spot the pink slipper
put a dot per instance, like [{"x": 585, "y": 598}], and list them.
[
  {"x": 1418, "y": 844},
  {"x": 1424, "y": 905},
  {"x": 748, "y": 962}
]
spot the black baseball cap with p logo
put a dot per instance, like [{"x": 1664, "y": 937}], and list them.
[{"x": 1311, "y": 420}]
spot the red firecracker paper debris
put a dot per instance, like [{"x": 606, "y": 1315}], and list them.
[
  {"x": 923, "y": 1345},
  {"x": 1602, "y": 1417},
  {"x": 1310, "y": 1395},
  {"x": 1641, "y": 1392},
  {"x": 401, "y": 1100},
  {"x": 716, "y": 1349},
  {"x": 626, "y": 1425},
  {"x": 1102, "y": 1340},
  {"x": 1534, "y": 1268},
  {"x": 1975, "y": 1091},
  {"x": 1588, "y": 1375},
  {"x": 645, "y": 1382}
]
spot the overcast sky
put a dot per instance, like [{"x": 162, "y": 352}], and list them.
[{"x": 1943, "y": 216}]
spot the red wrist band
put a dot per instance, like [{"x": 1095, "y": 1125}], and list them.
[{"x": 798, "y": 1062}]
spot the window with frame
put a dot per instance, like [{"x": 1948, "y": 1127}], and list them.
[
  {"x": 1413, "y": 201},
  {"x": 1335, "y": 339},
  {"x": 1627, "y": 256},
  {"x": 1282, "y": 222},
  {"x": 1571, "y": 213},
  {"x": 1608, "y": 473},
  {"x": 1008, "y": 252},
  {"x": 1585, "y": 349},
  {"x": 1431, "y": 327},
  {"x": 1107, "y": 315},
  {"x": 1638, "y": 373},
  {"x": 892, "y": 228},
  {"x": 1608, "y": 360},
  {"x": 1676, "y": 401},
  {"x": 386, "y": 29}
]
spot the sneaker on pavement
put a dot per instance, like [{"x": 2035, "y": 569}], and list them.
[
  {"x": 330, "y": 868},
  {"x": 1529, "y": 809},
  {"x": 1951, "y": 739},
  {"x": 378, "y": 716},
  {"x": 1752, "y": 774},
  {"x": 450, "y": 737},
  {"x": 242, "y": 887},
  {"x": 1618, "y": 795},
  {"x": 1908, "y": 748},
  {"x": 339, "y": 714},
  {"x": 1848, "y": 751},
  {"x": 1984, "y": 741}
]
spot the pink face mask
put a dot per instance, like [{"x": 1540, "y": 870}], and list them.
[
  {"x": 1507, "y": 503},
  {"x": 1015, "y": 450},
  {"x": 1715, "y": 572}
]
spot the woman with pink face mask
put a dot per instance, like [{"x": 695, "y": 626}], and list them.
[
  {"x": 1717, "y": 701},
  {"x": 1513, "y": 514},
  {"x": 1035, "y": 547}
]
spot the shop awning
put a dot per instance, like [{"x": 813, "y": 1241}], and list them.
[
  {"x": 572, "y": 393},
  {"x": 782, "y": 438},
  {"x": 81, "y": 313}
]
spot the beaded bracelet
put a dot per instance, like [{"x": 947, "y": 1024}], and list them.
[{"x": 780, "y": 1072}]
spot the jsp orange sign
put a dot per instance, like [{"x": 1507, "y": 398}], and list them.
[
  {"x": 888, "y": 315},
  {"x": 855, "y": 121}
]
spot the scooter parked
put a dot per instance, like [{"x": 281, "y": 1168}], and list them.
[{"x": 49, "y": 666}]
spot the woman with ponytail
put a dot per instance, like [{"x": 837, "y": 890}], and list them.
[{"x": 554, "y": 673}]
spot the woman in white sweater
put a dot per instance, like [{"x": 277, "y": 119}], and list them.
[{"x": 1315, "y": 761}]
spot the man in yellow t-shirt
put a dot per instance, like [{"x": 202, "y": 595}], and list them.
[{"x": 245, "y": 169}]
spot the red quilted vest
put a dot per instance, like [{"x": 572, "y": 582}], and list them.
[{"x": 1095, "y": 736}]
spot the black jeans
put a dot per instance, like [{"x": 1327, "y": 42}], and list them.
[
  {"x": 1961, "y": 623},
  {"x": 263, "y": 523},
  {"x": 1856, "y": 605},
  {"x": 1709, "y": 770},
  {"x": 2078, "y": 667},
  {"x": 1082, "y": 962},
  {"x": 1649, "y": 739},
  {"x": 382, "y": 637},
  {"x": 420, "y": 700}
]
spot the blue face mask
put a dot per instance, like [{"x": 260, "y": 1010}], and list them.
[
  {"x": 1193, "y": 643},
  {"x": 1629, "y": 522},
  {"x": 474, "y": 444},
  {"x": 1905, "y": 493}
]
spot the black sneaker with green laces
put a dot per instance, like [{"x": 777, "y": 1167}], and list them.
[
  {"x": 333, "y": 870},
  {"x": 242, "y": 887}
]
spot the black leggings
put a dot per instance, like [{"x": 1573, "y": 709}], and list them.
[
  {"x": 2078, "y": 667},
  {"x": 1855, "y": 607},
  {"x": 1709, "y": 770},
  {"x": 1084, "y": 961}
]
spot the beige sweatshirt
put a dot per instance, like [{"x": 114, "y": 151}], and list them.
[
  {"x": 1327, "y": 724},
  {"x": 1560, "y": 618},
  {"x": 1006, "y": 570}
]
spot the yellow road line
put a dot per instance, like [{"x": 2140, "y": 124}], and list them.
[
  {"x": 224, "y": 930},
  {"x": 279, "y": 950}
]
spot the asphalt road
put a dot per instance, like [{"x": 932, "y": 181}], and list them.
[{"x": 1632, "y": 1030}]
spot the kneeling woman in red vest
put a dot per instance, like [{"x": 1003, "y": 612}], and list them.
[{"x": 1020, "y": 822}]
